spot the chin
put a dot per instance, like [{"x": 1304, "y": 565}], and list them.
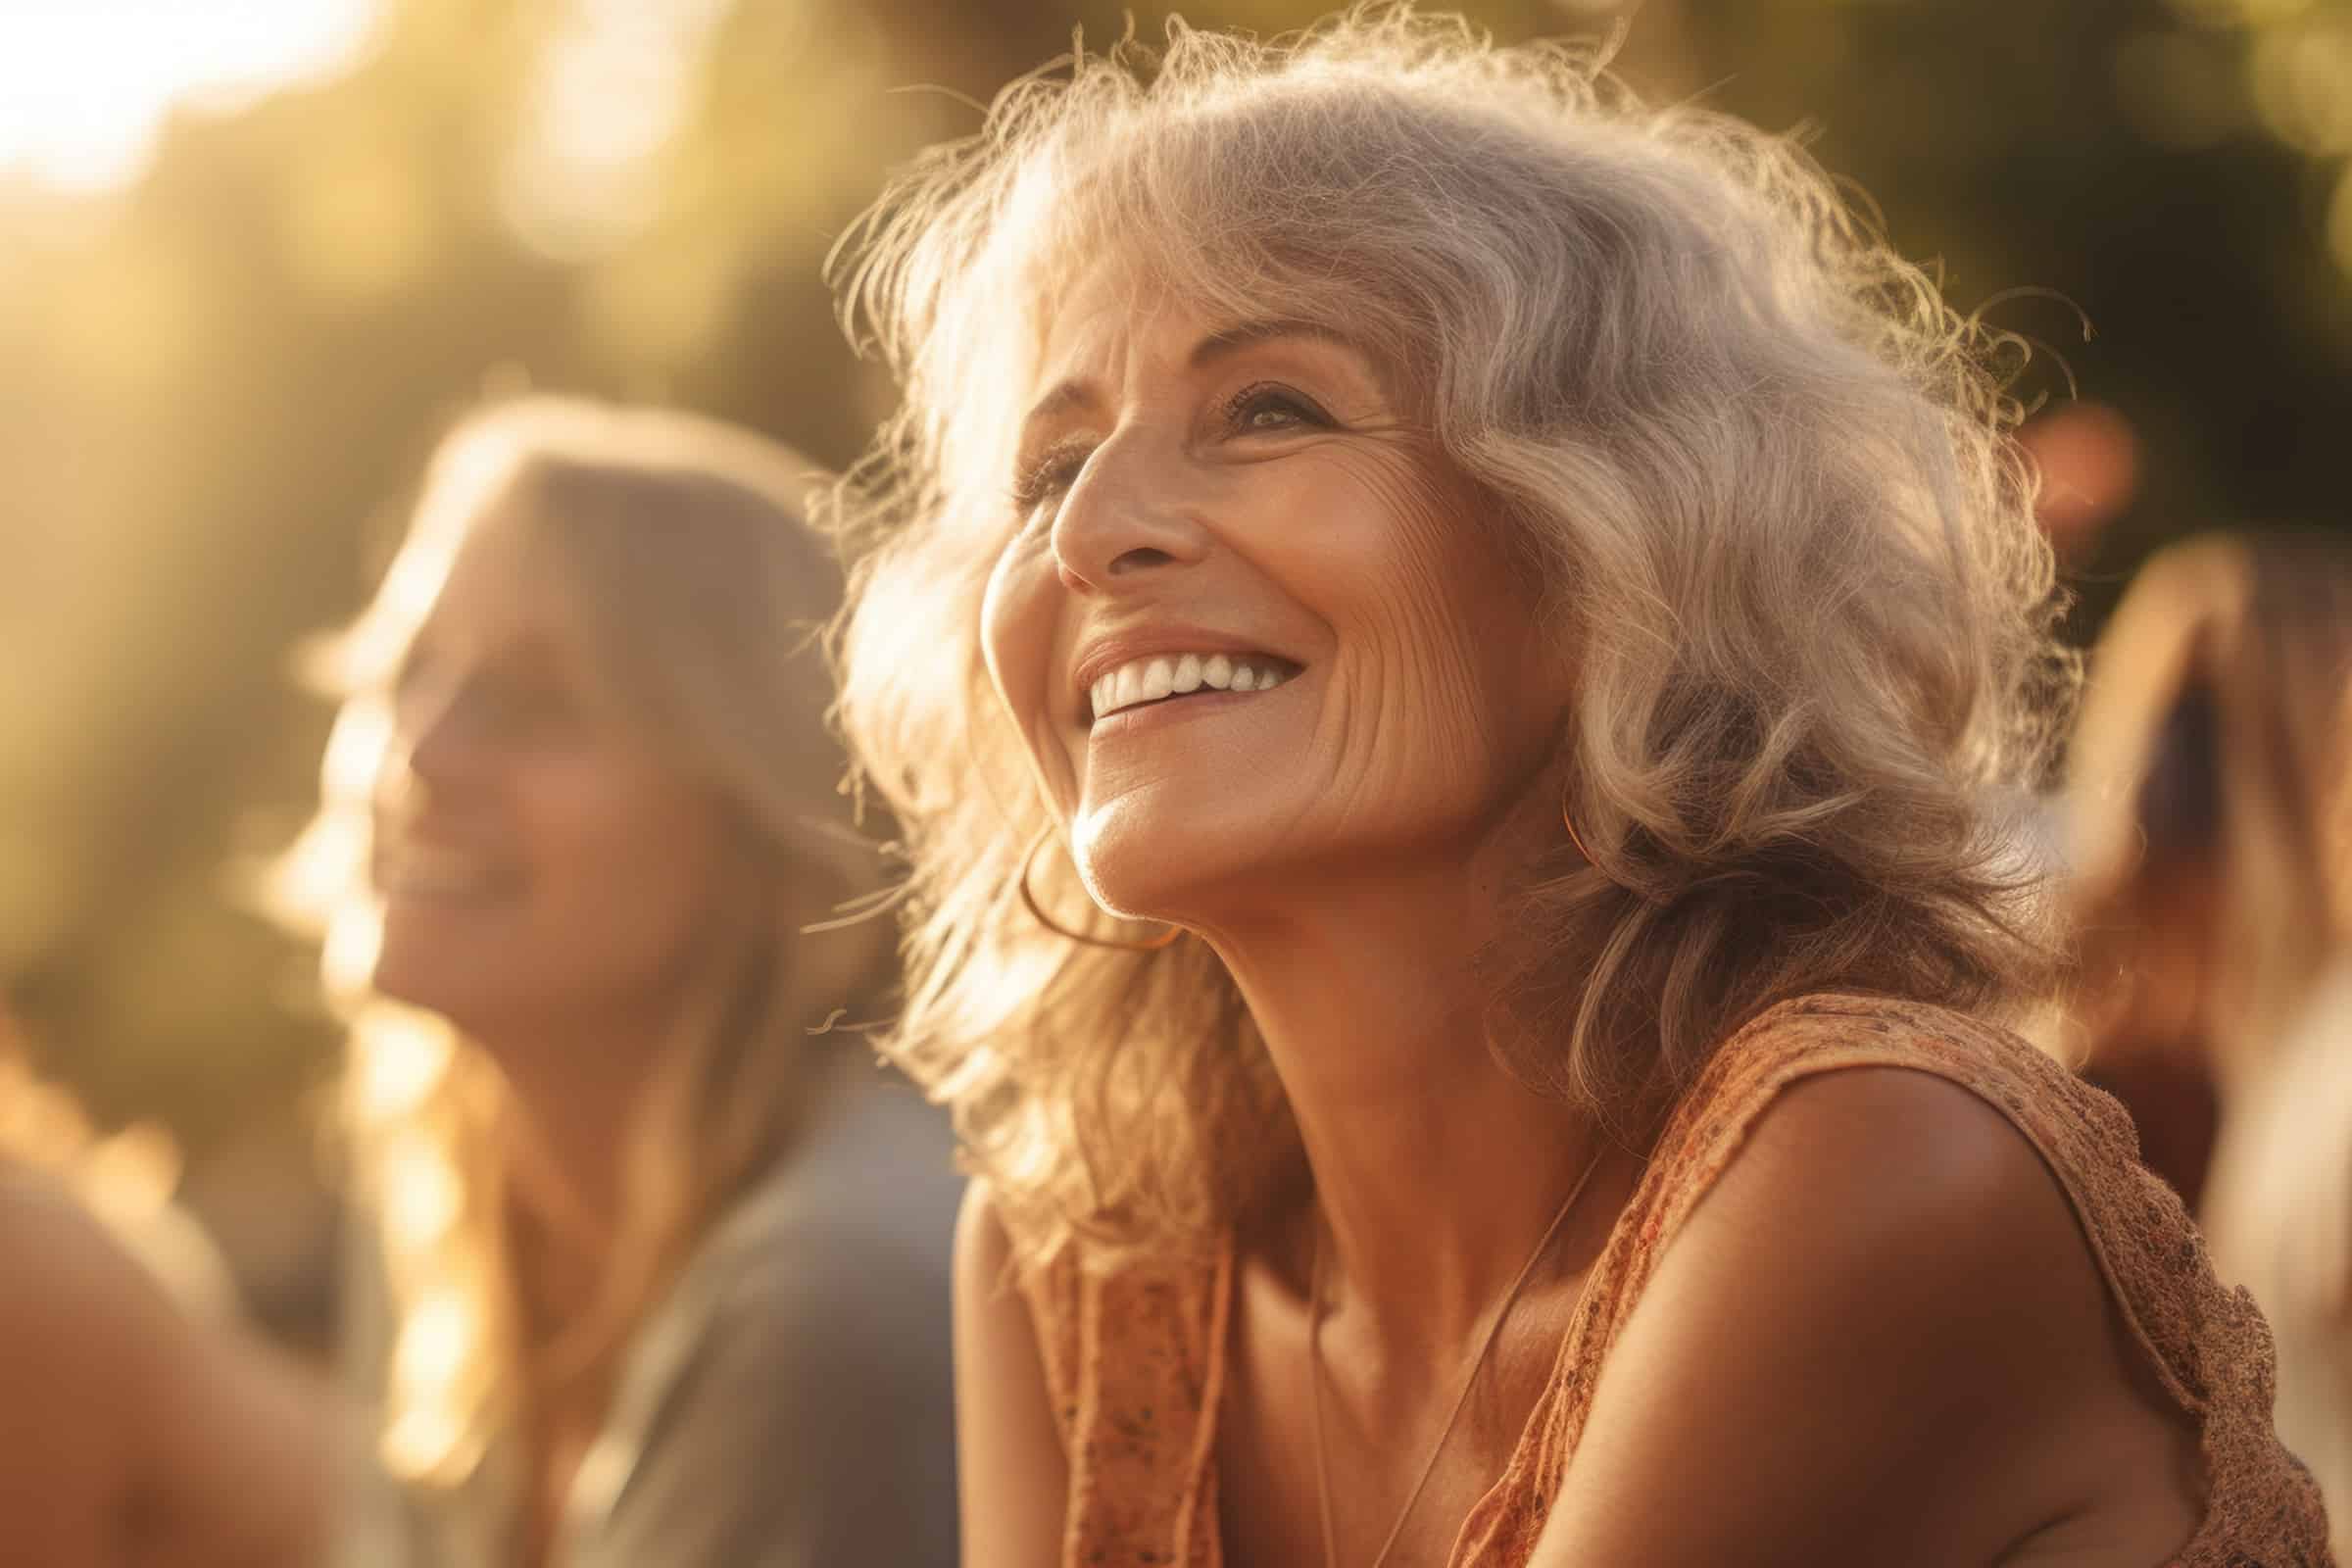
[
  {"x": 460, "y": 982},
  {"x": 1139, "y": 870},
  {"x": 401, "y": 979}
]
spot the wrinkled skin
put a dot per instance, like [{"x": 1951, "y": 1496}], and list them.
[{"x": 1266, "y": 488}]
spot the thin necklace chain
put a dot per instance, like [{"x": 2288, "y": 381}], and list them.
[{"x": 1486, "y": 1344}]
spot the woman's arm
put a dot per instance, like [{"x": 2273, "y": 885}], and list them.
[
  {"x": 127, "y": 1420},
  {"x": 1881, "y": 1339},
  {"x": 1014, "y": 1475}
]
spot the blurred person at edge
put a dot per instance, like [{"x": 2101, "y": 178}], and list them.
[
  {"x": 1545, "y": 613},
  {"x": 654, "y": 1262},
  {"x": 138, "y": 1423},
  {"x": 2210, "y": 821}
]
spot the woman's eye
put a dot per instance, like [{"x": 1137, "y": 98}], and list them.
[
  {"x": 492, "y": 705},
  {"x": 1049, "y": 476},
  {"x": 1270, "y": 409}
]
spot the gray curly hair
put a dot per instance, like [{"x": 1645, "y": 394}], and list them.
[{"x": 1762, "y": 469}]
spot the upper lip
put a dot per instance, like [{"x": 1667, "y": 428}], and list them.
[{"x": 1102, "y": 655}]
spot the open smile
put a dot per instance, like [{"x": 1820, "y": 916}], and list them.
[{"x": 1165, "y": 677}]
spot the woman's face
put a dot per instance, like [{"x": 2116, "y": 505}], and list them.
[
  {"x": 538, "y": 860},
  {"x": 1249, "y": 625}
]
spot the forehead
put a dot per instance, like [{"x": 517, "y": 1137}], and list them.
[
  {"x": 1109, "y": 306},
  {"x": 505, "y": 586},
  {"x": 1116, "y": 317}
]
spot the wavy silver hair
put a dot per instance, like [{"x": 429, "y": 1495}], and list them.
[{"x": 1759, "y": 465}]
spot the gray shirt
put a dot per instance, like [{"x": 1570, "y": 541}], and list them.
[{"x": 789, "y": 1405}]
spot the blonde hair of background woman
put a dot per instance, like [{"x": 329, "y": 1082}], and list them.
[
  {"x": 2262, "y": 626},
  {"x": 1761, "y": 467},
  {"x": 704, "y": 592},
  {"x": 2249, "y": 962}
]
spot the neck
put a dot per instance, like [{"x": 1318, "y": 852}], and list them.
[
  {"x": 1437, "y": 1172},
  {"x": 570, "y": 1102}
]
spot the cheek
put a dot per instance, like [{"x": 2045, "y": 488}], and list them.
[
  {"x": 1429, "y": 623},
  {"x": 1020, "y": 639},
  {"x": 630, "y": 861},
  {"x": 1518, "y": 688}
]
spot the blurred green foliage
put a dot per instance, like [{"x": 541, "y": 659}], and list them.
[{"x": 220, "y": 381}]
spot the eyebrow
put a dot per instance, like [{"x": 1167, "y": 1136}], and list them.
[
  {"x": 1247, "y": 334},
  {"x": 1221, "y": 344}
]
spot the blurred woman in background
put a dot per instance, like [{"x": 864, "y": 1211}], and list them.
[
  {"x": 653, "y": 1271},
  {"x": 2210, "y": 823}
]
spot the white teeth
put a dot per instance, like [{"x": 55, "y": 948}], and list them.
[{"x": 1153, "y": 677}]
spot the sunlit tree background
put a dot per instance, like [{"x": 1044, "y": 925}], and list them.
[{"x": 255, "y": 254}]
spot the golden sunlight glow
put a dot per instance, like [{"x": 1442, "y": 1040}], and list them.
[
  {"x": 355, "y": 753},
  {"x": 607, "y": 98},
  {"x": 404, "y": 1060},
  {"x": 354, "y": 936},
  {"x": 433, "y": 1343},
  {"x": 41, "y": 1123},
  {"x": 418, "y": 571},
  {"x": 361, "y": 220},
  {"x": 134, "y": 1173},
  {"x": 86, "y": 84},
  {"x": 303, "y": 886},
  {"x": 418, "y": 1439},
  {"x": 2302, "y": 79},
  {"x": 421, "y": 1196},
  {"x": 135, "y": 317}
]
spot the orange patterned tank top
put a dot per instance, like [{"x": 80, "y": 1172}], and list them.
[{"x": 1136, "y": 1361}]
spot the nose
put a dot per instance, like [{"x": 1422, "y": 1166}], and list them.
[
  {"x": 435, "y": 736},
  {"x": 1127, "y": 517}
]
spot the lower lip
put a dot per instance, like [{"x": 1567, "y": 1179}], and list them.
[{"x": 1174, "y": 710}]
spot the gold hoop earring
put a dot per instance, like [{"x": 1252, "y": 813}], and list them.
[
  {"x": 1037, "y": 914},
  {"x": 1569, "y": 822}
]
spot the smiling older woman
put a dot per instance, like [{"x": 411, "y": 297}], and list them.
[{"x": 1542, "y": 609}]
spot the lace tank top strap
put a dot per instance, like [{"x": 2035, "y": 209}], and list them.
[
  {"x": 1135, "y": 1365},
  {"x": 2207, "y": 1345}
]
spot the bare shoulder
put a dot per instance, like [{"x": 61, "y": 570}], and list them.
[
  {"x": 990, "y": 1309},
  {"x": 1882, "y": 1327},
  {"x": 118, "y": 1400},
  {"x": 1891, "y": 1213},
  {"x": 983, "y": 1245},
  {"x": 1009, "y": 1444},
  {"x": 79, "y": 1336},
  {"x": 1923, "y": 1162},
  {"x": 78, "y": 1293}
]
